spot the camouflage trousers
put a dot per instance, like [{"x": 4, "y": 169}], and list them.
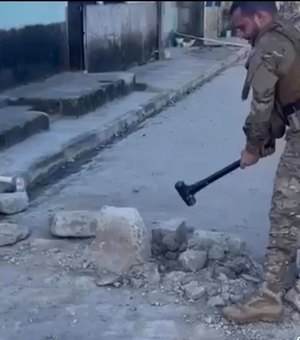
[{"x": 284, "y": 215}]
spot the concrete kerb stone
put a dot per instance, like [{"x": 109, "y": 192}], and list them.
[{"x": 95, "y": 140}]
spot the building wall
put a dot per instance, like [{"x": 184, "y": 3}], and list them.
[
  {"x": 190, "y": 17},
  {"x": 169, "y": 22},
  {"x": 119, "y": 35},
  {"x": 33, "y": 41},
  {"x": 212, "y": 19}
]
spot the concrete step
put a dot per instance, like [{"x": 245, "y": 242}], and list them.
[
  {"x": 17, "y": 123},
  {"x": 71, "y": 94}
]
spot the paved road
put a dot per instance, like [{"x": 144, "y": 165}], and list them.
[{"x": 189, "y": 141}]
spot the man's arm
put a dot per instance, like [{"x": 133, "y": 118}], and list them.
[{"x": 273, "y": 58}]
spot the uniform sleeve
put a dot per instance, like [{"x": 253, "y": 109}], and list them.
[{"x": 273, "y": 58}]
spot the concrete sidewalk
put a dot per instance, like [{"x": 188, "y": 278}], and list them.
[{"x": 69, "y": 139}]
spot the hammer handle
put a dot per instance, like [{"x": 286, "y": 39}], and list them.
[
  {"x": 6, "y": 179},
  {"x": 214, "y": 177}
]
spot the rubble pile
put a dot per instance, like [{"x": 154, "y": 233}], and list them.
[{"x": 202, "y": 265}]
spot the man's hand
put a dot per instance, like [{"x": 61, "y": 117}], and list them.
[{"x": 248, "y": 159}]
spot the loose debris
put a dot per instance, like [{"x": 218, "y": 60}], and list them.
[{"x": 206, "y": 271}]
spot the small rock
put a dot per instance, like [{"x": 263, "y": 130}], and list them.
[
  {"x": 171, "y": 241},
  {"x": 117, "y": 284},
  {"x": 194, "y": 291},
  {"x": 192, "y": 260},
  {"x": 13, "y": 203},
  {"x": 238, "y": 265},
  {"x": 213, "y": 289},
  {"x": 173, "y": 280},
  {"x": 216, "y": 253},
  {"x": 151, "y": 273},
  {"x": 216, "y": 301},
  {"x": 187, "y": 279},
  {"x": 12, "y": 233},
  {"x": 137, "y": 283},
  {"x": 172, "y": 265},
  {"x": 222, "y": 277},
  {"x": 226, "y": 296},
  {"x": 250, "y": 278},
  {"x": 204, "y": 240},
  {"x": 224, "y": 270},
  {"x": 235, "y": 298},
  {"x": 74, "y": 224},
  {"x": 208, "y": 320},
  {"x": 158, "y": 249},
  {"x": 136, "y": 190},
  {"x": 107, "y": 279},
  {"x": 183, "y": 247},
  {"x": 235, "y": 246}
]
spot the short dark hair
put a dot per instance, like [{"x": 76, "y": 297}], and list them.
[{"x": 251, "y": 7}]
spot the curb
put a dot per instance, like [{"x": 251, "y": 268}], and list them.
[{"x": 89, "y": 144}]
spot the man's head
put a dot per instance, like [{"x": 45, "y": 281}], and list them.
[{"x": 249, "y": 17}]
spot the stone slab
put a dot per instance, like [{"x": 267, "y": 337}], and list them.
[
  {"x": 71, "y": 93},
  {"x": 18, "y": 123}
]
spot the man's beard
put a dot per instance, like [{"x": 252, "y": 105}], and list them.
[{"x": 256, "y": 32}]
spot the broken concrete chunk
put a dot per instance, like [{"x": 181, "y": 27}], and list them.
[
  {"x": 13, "y": 203},
  {"x": 122, "y": 239},
  {"x": 204, "y": 240},
  {"x": 192, "y": 260},
  {"x": 172, "y": 280},
  {"x": 12, "y": 233},
  {"x": 194, "y": 291},
  {"x": 171, "y": 241},
  {"x": 216, "y": 301},
  {"x": 148, "y": 272},
  {"x": 74, "y": 224},
  {"x": 216, "y": 253},
  {"x": 238, "y": 265},
  {"x": 235, "y": 246}
]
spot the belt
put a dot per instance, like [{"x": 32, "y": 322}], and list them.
[{"x": 291, "y": 108}]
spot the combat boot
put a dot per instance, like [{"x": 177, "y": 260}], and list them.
[{"x": 265, "y": 306}]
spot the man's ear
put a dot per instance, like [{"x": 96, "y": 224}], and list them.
[{"x": 261, "y": 17}]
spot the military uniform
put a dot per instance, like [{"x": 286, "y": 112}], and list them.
[{"x": 273, "y": 73}]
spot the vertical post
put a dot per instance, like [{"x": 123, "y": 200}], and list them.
[{"x": 159, "y": 8}]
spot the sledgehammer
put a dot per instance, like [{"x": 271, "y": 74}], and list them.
[
  {"x": 187, "y": 192},
  {"x": 16, "y": 201}
]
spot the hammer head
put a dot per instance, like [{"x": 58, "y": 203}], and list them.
[
  {"x": 19, "y": 184},
  {"x": 185, "y": 193}
]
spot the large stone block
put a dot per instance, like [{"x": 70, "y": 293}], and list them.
[
  {"x": 12, "y": 233},
  {"x": 74, "y": 224},
  {"x": 13, "y": 202},
  {"x": 122, "y": 240}
]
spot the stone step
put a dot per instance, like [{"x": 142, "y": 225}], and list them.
[
  {"x": 71, "y": 94},
  {"x": 17, "y": 123}
]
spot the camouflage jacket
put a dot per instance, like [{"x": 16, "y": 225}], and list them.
[{"x": 273, "y": 73}]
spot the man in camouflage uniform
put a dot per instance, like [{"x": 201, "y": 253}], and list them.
[{"x": 273, "y": 73}]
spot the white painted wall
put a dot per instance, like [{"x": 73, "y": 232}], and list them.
[
  {"x": 169, "y": 20},
  {"x": 211, "y": 22},
  {"x": 17, "y": 14}
]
